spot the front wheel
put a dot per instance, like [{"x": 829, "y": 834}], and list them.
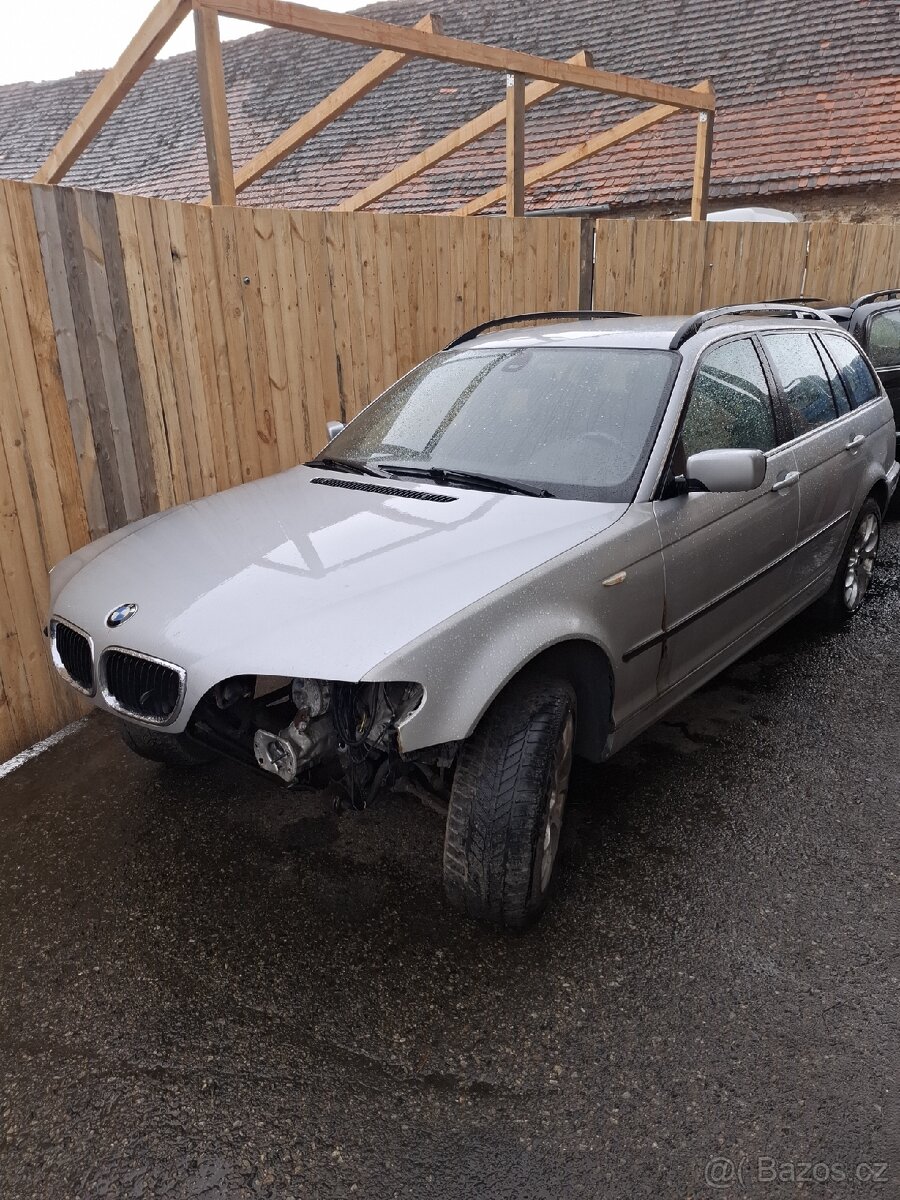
[
  {"x": 507, "y": 804},
  {"x": 854, "y": 574}
]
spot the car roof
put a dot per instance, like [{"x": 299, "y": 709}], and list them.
[{"x": 647, "y": 333}]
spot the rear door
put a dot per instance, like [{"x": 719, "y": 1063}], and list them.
[
  {"x": 829, "y": 441},
  {"x": 727, "y": 557}
]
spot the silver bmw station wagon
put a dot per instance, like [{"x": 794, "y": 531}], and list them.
[{"x": 530, "y": 547}]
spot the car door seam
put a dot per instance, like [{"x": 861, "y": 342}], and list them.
[{"x": 683, "y": 622}]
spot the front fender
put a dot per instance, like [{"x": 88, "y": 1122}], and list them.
[
  {"x": 464, "y": 670},
  {"x": 464, "y": 663}
]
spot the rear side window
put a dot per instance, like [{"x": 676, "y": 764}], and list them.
[
  {"x": 730, "y": 407},
  {"x": 883, "y": 338},
  {"x": 803, "y": 379},
  {"x": 858, "y": 379}
]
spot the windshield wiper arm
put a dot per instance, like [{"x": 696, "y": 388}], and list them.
[
  {"x": 350, "y": 465},
  {"x": 488, "y": 483}
]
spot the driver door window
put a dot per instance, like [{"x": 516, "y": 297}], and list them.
[{"x": 730, "y": 406}]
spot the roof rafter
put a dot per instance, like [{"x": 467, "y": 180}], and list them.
[
  {"x": 490, "y": 119},
  {"x": 347, "y": 27},
  {"x": 576, "y": 154},
  {"x": 329, "y": 109},
  {"x": 162, "y": 21},
  {"x": 397, "y": 44}
]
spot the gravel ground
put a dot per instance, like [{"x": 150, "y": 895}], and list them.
[{"x": 210, "y": 987}]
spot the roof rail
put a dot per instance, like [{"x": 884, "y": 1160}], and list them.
[
  {"x": 577, "y": 314},
  {"x": 885, "y": 294},
  {"x": 799, "y": 300},
  {"x": 694, "y": 324}
]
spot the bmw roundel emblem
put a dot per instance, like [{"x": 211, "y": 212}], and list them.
[{"x": 120, "y": 615}]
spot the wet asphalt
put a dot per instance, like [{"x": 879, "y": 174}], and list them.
[{"x": 211, "y": 987}]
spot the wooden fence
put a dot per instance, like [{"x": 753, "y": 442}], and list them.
[
  {"x": 153, "y": 352},
  {"x": 654, "y": 267}
]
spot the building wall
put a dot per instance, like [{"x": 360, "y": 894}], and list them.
[{"x": 880, "y": 202}]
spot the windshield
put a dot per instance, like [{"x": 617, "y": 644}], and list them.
[{"x": 575, "y": 422}]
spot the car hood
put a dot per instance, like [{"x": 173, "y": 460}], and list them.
[{"x": 311, "y": 572}]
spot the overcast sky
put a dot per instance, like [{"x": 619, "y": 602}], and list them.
[{"x": 49, "y": 39}]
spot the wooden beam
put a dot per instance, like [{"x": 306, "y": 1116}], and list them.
[
  {"x": 702, "y": 166},
  {"x": 363, "y": 31},
  {"x": 576, "y": 154},
  {"x": 214, "y": 106},
  {"x": 163, "y": 20},
  {"x": 515, "y": 146},
  {"x": 366, "y": 78},
  {"x": 490, "y": 119}
]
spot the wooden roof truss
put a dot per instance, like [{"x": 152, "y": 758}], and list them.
[{"x": 529, "y": 79}]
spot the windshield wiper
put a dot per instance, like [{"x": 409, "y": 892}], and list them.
[
  {"x": 350, "y": 465},
  {"x": 487, "y": 483}
]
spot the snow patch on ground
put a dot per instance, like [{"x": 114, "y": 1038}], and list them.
[{"x": 12, "y": 764}]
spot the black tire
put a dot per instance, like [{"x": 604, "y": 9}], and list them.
[
  {"x": 840, "y": 602},
  {"x": 500, "y": 804},
  {"x": 173, "y": 749}
]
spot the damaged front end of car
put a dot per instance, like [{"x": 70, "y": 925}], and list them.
[{"x": 286, "y": 727}]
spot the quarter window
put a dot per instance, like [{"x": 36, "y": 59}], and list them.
[
  {"x": 857, "y": 377},
  {"x": 803, "y": 379},
  {"x": 730, "y": 407},
  {"x": 838, "y": 388}
]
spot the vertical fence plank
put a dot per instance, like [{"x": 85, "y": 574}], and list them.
[
  {"x": 254, "y": 324},
  {"x": 189, "y": 387},
  {"x": 292, "y": 335},
  {"x": 110, "y": 382},
  {"x": 271, "y": 300},
  {"x": 80, "y": 430},
  {"x": 123, "y": 332},
  {"x": 385, "y": 299},
  {"x": 22, "y": 417},
  {"x": 197, "y": 294},
  {"x": 231, "y": 291},
  {"x": 347, "y": 352},
  {"x": 317, "y": 323},
  {"x": 98, "y": 412},
  {"x": 211, "y": 299},
  {"x": 363, "y": 265},
  {"x": 403, "y": 313},
  {"x": 26, "y": 551},
  {"x": 49, "y": 376},
  {"x": 164, "y": 348},
  {"x": 153, "y": 378}
]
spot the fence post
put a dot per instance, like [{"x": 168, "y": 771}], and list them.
[
  {"x": 586, "y": 264},
  {"x": 214, "y": 106},
  {"x": 515, "y": 146},
  {"x": 702, "y": 164}
]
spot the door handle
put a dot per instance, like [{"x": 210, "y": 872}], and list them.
[
  {"x": 790, "y": 480},
  {"x": 856, "y": 442}
]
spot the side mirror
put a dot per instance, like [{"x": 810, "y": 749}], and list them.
[
  {"x": 333, "y": 428},
  {"x": 727, "y": 470}
]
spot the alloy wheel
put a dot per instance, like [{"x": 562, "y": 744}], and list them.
[
  {"x": 861, "y": 561},
  {"x": 559, "y": 790}
]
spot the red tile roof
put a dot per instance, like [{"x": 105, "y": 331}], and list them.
[{"x": 809, "y": 99}]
